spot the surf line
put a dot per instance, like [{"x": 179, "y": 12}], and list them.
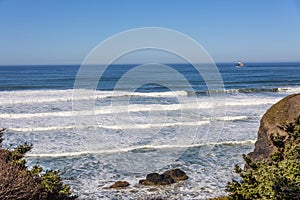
[{"x": 145, "y": 147}]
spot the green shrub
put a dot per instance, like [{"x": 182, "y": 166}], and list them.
[
  {"x": 17, "y": 182},
  {"x": 278, "y": 178}
]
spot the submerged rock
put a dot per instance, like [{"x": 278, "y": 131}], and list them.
[
  {"x": 168, "y": 177},
  {"x": 119, "y": 184},
  {"x": 283, "y": 112}
]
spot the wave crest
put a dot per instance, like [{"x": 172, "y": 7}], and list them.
[{"x": 135, "y": 148}]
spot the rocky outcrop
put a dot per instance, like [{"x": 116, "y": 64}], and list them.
[
  {"x": 157, "y": 179},
  {"x": 281, "y": 113},
  {"x": 176, "y": 174},
  {"x": 166, "y": 178},
  {"x": 154, "y": 179},
  {"x": 119, "y": 184}
]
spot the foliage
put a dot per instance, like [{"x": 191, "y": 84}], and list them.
[
  {"x": 278, "y": 178},
  {"x": 18, "y": 182}
]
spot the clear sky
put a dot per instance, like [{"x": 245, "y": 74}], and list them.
[{"x": 65, "y": 31}]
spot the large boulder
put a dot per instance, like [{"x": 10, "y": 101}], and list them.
[
  {"x": 281, "y": 113},
  {"x": 157, "y": 179},
  {"x": 177, "y": 174},
  {"x": 166, "y": 178}
]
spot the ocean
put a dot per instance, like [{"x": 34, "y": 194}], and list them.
[{"x": 150, "y": 129}]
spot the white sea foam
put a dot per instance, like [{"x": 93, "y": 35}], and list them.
[
  {"x": 250, "y": 102},
  {"x": 290, "y": 89},
  {"x": 31, "y": 115},
  {"x": 110, "y": 110},
  {"x": 232, "y": 118},
  {"x": 38, "y": 129},
  {"x": 142, "y": 108},
  {"x": 143, "y": 147},
  {"x": 294, "y": 89},
  {"x": 114, "y": 127},
  {"x": 47, "y": 96},
  {"x": 132, "y": 126}
]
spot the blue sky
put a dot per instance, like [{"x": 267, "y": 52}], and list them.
[{"x": 65, "y": 31}]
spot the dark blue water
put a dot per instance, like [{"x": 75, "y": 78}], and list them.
[
  {"x": 37, "y": 77},
  {"x": 255, "y": 77},
  {"x": 261, "y": 76}
]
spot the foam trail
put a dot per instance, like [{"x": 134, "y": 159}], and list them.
[
  {"x": 136, "y": 108},
  {"x": 232, "y": 118},
  {"x": 146, "y": 126},
  {"x": 115, "y": 127},
  {"x": 48, "y": 96},
  {"x": 36, "y": 129},
  {"x": 32, "y": 115},
  {"x": 251, "y": 102},
  {"x": 108, "y": 110},
  {"x": 150, "y": 94},
  {"x": 290, "y": 89},
  {"x": 132, "y": 126},
  {"x": 255, "y": 90},
  {"x": 111, "y": 151}
]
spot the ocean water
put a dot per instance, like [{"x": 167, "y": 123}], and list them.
[{"x": 126, "y": 134}]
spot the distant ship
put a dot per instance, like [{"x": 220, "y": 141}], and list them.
[{"x": 239, "y": 64}]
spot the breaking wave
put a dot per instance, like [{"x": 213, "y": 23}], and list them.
[
  {"x": 47, "y": 96},
  {"x": 250, "y": 90},
  {"x": 143, "y": 147},
  {"x": 113, "y": 127}
]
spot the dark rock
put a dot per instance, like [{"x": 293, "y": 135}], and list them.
[
  {"x": 281, "y": 113},
  {"x": 153, "y": 177},
  {"x": 157, "y": 179},
  {"x": 119, "y": 184},
  {"x": 157, "y": 198},
  {"x": 168, "y": 177},
  {"x": 153, "y": 189},
  {"x": 177, "y": 174}
]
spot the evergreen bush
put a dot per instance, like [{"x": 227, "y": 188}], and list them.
[
  {"x": 277, "y": 178},
  {"x": 17, "y": 182}
]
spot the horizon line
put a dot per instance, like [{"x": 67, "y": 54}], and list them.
[{"x": 166, "y": 63}]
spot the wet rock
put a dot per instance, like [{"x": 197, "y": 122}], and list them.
[
  {"x": 119, "y": 184},
  {"x": 157, "y": 179},
  {"x": 283, "y": 112},
  {"x": 168, "y": 177},
  {"x": 153, "y": 189},
  {"x": 177, "y": 174}
]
